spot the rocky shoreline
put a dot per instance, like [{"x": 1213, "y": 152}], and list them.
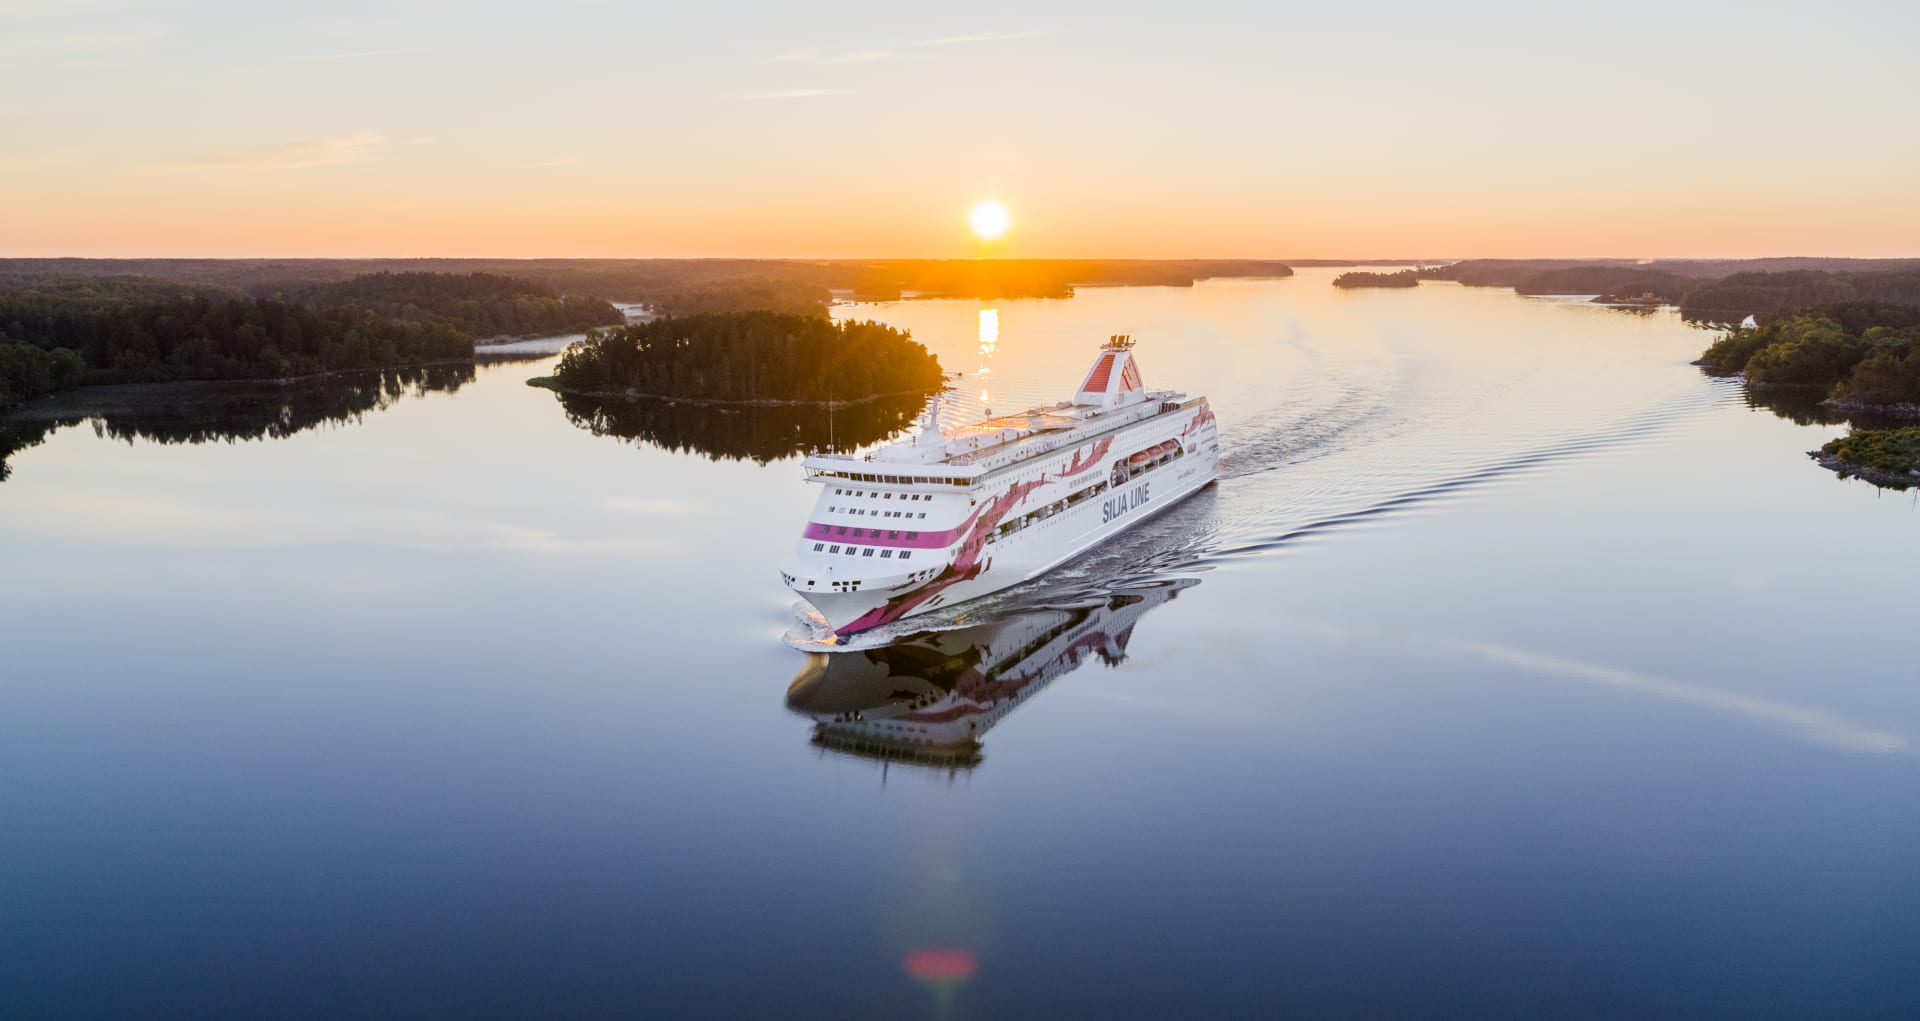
[
  {"x": 1849, "y": 470},
  {"x": 1847, "y": 407}
]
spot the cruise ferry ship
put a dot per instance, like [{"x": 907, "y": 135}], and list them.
[{"x": 952, "y": 514}]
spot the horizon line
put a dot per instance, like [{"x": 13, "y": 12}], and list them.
[{"x": 947, "y": 258}]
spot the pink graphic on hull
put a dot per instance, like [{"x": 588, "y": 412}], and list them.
[
  {"x": 1201, "y": 419},
  {"x": 966, "y": 565},
  {"x": 1092, "y": 458}
]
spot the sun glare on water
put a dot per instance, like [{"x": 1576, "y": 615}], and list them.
[{"x": 990, "y": 220}]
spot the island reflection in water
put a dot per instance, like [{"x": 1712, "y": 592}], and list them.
[
  {"x": 225, "y": 411},
  {"x": 930, "y": 698},
  {"x": 762, "y": 433}
]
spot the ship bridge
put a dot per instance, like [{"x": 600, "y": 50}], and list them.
[{"x": 1110, "y": 387}]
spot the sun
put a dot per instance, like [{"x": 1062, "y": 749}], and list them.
[{"x": 990, "y": 220}]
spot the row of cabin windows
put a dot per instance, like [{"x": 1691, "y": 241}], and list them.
[
  {"x": 875, "y": 532},
  {"x": 866, "y": 551},
  {"x": 899, "y": 480},
  {"x": 883, "y": 496},
  {"x": 884, "y": 514}
]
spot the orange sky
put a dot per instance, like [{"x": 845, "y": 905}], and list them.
[{"x": 1404, "y": 131}]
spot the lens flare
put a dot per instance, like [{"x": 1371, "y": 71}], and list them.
[{"x": 942, "y": 964}]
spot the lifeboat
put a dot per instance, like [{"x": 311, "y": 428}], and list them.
[{"x": 1141, "y": 458}]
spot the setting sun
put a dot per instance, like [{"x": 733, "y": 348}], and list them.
[{"x": 990, "y": 220}]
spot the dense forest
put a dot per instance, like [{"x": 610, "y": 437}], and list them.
[
  {"x": 1514, "y": 272},
  {"x": 480, "y": 304},
  {"x": 1611, "y": 283},
  {"x": 137, "y": 332},
  {"x": 1708, "y": 291},
  {"x": 646, "y": 280},
  {"x": 1861, "y": 354},
  {"x": 794, "y": 297},
  {"x": 1358, "y": 278},
  {"x": 1732, "y": 299},
  {"x": 60, "y": 332},
  {"x": 757, "y": 433},
  {"x": 750, "y": 356}
]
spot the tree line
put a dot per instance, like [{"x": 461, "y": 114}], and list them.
[
  {"x": 794, "y": 297},
  {"x": 750, "y": 356},
  {"x": 1861, "y": 354},
  {"x": 140, "y": 332},
  {"x": 481, "y": 304},
  {"x": 645, "y": 280},
  {"x": 60, "y": 332},
  {"x": 1708, "y": 291},
  {"x": 1739, "y": 295},
  {"x": 1361, "y": 278}
]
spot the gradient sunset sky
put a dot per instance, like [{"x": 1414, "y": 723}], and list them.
[{"x": 579, "y": 128}]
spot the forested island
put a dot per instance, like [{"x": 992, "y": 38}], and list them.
[
  {"x": 57, "y": 333},
  {"x": 1707, "y": 291},
  {"x": 746, "y": 358},
  {"x": 1361, "y": 278},
  {"x": 1858, "y": 359},
  {"x": 1864, "y": 356}
]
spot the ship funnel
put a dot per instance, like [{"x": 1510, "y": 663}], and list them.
[{"x": 1115, "y": 377}]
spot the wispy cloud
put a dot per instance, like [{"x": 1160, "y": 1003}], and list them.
[
  {"x": 892, "y": 52},
  {"x": 983, "y": 37},
  {"x": 314, "y": 58},
  {"x": 353, "y": 147},
  {"x": 877, "y": 56},
  {"x": 793, "y": 93}
]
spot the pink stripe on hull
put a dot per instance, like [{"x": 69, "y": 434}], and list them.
[{"x": 895, "y": 537}]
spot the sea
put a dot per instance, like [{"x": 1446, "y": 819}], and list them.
[{"x": 1513, "y": 667}]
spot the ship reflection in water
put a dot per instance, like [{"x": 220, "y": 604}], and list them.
[{"x": 929, "y": 699}]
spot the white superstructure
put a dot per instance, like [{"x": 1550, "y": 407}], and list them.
[{"x": 951, "y": 514}]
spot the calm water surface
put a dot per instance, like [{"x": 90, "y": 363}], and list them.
[{"x": 1513, "y": 668}]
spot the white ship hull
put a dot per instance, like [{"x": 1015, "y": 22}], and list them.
[
  {"x": 929, "y": 524},
  {"x": 1029, "y": 553}
]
